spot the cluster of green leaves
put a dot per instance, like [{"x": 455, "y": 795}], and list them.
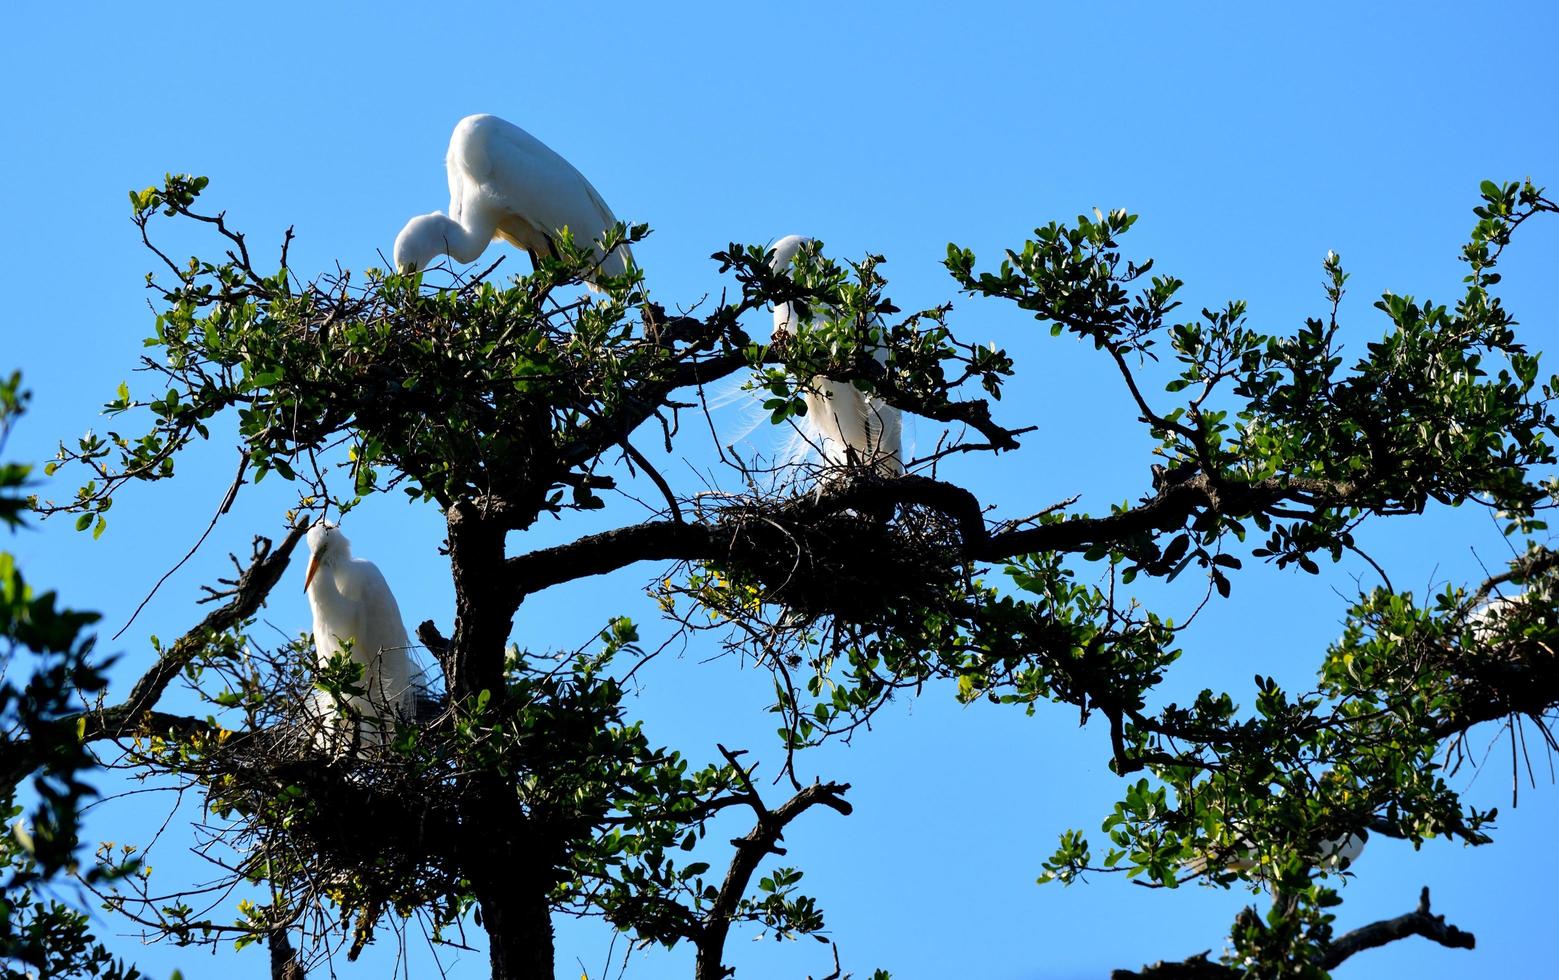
[
  {"x": 1266, "y": 797},
  {"x": 454, "y": 391},
  {"x": 1446, "y": 406},
  {"x": 840, "y": 331},
  {"x": 40, "y": 740}
]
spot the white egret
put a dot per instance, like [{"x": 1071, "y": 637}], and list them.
[
  {"x": 1486, "y": 620},
  {"x": 1333, "y": 853},
  {"x": 848, "y": 425},
  {"x": 355, "y": 610},
  {"x": 506, "y": 183}
]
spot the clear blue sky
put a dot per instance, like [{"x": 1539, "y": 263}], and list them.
[{"x": 1250, "y": 138}]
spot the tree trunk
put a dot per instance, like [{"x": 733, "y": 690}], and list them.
[
  {"x": 511, "y": 882},
  {"x": 519, "y": 929},
  {"x": 484, "y": 608}
]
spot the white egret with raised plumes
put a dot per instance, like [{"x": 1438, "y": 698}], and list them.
[{"x": 846, "y": 425}]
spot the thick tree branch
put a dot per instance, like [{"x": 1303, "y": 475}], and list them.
[
  {"x": 248, "y": 593},
  {"x": 1170, "y": 508},
  {"x": 284, "y": 959},
  {"x": 1418, "y": 922},
  {"x": 598, "y": 554},
  {"x": 20, "y": 758}
]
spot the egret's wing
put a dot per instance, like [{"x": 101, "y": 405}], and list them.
[
  {"x": 835, "y": 414},
  {"x": 381, "y": 612},
  {"x": 534, "y": 186},
  {"x": 884, "y": 428},
  {"x": 616, "y": 263},
  {"x": 455, "y": 171},
  {"x": 884, "y": 431},
  {"x": 381, "y": 634}
]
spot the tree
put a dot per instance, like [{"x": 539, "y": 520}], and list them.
[
  {"x": 40, "y": 740},
  {"x": 533, "y": 793}
]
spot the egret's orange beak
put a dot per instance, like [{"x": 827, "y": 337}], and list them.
[{"x": 313, "y": 567}]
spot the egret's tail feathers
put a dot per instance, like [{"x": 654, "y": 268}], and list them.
[{"x": 856, "y": 429}]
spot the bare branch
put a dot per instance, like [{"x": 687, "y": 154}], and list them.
[
  {"x": 1418, "y": 922},
  {"x": 761, "y": 841}
]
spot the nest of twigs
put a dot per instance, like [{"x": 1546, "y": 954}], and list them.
[
  {"x": 856, "y": 566},
  {"x": 374, "y": 817}
]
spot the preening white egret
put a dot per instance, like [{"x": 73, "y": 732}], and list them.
[
  {"x": 353, "y": 605},
  {"x": 506, "y": 183},
  {"x": 847, "y": 425}
]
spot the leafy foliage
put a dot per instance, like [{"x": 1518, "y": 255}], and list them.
[
  {"x": 503, "y": 403},
  {"x": 40, "y": 739}
]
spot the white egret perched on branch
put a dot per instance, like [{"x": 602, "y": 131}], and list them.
[
  {"x": 355, "y": 610},
  {"x": 848, "y": 425},
  {"x": 506, "y": 183}
]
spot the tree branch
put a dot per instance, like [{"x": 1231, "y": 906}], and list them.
[
  {"x": 1197, "y": 967},
  {"x": 1170, "y": 508},
  {"x": 1418, "y": 922},
  {"x": 761, "y": 841},
  {"x": 249, "y": 591}
]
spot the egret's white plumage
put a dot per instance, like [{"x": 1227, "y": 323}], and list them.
[
  {"x": 847, "y": 424},
  {"x": 506, "y": 183},
  {"x": 1486, "y": 619},
  {"x": 353, "y": 605},
  {"x": 1333, "y": 853}
]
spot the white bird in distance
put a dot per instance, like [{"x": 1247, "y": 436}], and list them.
[
  {"x": 846, "y": 425},
  {"x": 354, "y": 610},
  {"x": 505, "y": 183},
  {"x": 1338, "y": 852}
]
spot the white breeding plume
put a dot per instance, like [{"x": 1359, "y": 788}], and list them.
[
  {"x": 846, "y": 424},
  {"x": 354, "y": 609},
  {"x": 506, "y": 183}
]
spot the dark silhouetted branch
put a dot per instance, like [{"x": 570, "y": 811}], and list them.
[
  {"x": 1419, "y": 922},
  {"x": 761, "y": 841}
]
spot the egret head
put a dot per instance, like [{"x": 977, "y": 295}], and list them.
[
  {"x": 327, "y": 545},
  {"x": 785, "y": 251},
  {"x": 423, "y": 238}
]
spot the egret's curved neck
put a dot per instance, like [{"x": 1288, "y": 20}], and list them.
[
  {"x": 784, "y": 253},
  {"x": 466, "y": 241}
]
